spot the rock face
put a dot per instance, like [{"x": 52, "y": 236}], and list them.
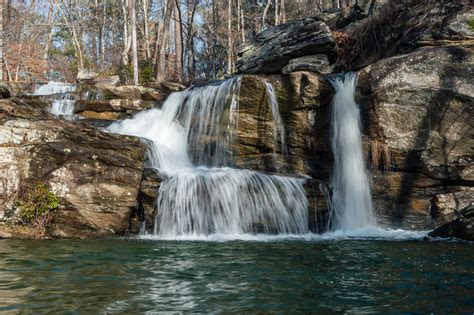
[
  {"x": 273, "y": 48},
  {"x": 314, "y": 63},
  {"x": 4, "y": 91},
  {"x": 407, "y": 25},
  {"x": 303, "y": 101},
  {"x": 417, "y": 115},
  {"x": 462, "y": 227},
  {"x": 95, "y": 175},
  {"x": 108, "y": 102},
  {"x": 86, "y": 75}
]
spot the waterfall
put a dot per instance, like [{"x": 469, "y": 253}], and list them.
[
  {"x": 53, "y": 87},
  {"x": 351, "y": 196},
  {"x": 60, "y": 94},
  {"x": 278, "y": 127},
  {"x": 192, "y": 142}
]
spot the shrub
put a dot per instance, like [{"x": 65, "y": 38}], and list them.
[{"x": 37, "y": 205}]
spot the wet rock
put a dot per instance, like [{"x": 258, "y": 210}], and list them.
[
  {"x": 112, "y": 105},
  {"x": 303, "y": 100},
  {"x": 417, "y": 117},
  {"x": 315, "y": 63},
  {"x": 19, "y": 88},
  {"x": 269, "y": 51},
  {"x": 107, "y": 82},
  {"x": 150, "y": 184},
  {"x": 166, "y": 87},
  {"x": 95, "y": 175},
  {"x": 462, "y": 227},
  {"x": 406, "y": 27},
  {"x": 133, "y": 92},
  {"x": 104, "y": 116}
]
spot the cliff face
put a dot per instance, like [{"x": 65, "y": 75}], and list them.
[{"x": 95, "y": 176}]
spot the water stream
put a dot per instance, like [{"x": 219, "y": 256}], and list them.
[
  {"x": 351, "y": 191},
  {"x": 60, "y": 94},
  {"x": 193, "y": 144}
]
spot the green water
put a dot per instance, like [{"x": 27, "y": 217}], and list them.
[{"x": 135, "y": 276}]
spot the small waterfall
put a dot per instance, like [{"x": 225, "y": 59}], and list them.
[
  {"x": 53, "y": 87},
  {"x": 192, "y": 143},
  {"x": 278, "y": 127},
  {"x": 351, "y": 196},
  {"x": 61, "y": 95},
  {"x": 203, "y": 201}
]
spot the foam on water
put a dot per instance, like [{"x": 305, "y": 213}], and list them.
[{"x": 370, "y": 233}]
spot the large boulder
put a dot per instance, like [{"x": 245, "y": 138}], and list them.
[
  {"x": 417, "y": 116},
  {"x": 303, "y": 102},
  {"x": 95, "y": 175},
  {"x": 112, "y": 105},
  {"x": 314, "y": 63},
  {"x": 86, "y": 76},
  {"x": 133, "y": 92},
  {"x": 400, "y": 27},
  {"x": 462, "y": 227},
  {"x": 272, "y": 49}
]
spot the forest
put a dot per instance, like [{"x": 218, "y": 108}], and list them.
[{"x": 140, "y": 40}]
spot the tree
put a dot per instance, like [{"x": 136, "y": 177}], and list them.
[
  {"x": 1, "y": 40},
  {"x": 134, "y": 41}
]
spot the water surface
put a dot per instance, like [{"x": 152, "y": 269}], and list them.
[{"x": 312, "y": 276}]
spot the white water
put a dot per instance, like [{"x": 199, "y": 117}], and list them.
[
  {"x": 192, "y": 143},
  {"x": 351, "y": 196},
  {"x": 278, "y": 127},
  {"x": 367, "y": 233},
  {"x": 53, "y": 87},
  {"x": 63, "y": 102}
]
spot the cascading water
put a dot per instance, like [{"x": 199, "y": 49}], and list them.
[
  {"x": 192, "y": 143},
  {"x": 60, "y": 94},
  {"x": 278, "y": 127},
  {"x": 352, "y": 203}
]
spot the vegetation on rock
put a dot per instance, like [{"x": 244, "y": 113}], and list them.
[{"x": 37, "y": 206}]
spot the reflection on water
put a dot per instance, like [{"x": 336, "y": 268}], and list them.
[{"x": 136, "y": 276}]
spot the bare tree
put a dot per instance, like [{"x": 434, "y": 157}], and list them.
[
  {"x": 1, "y": 40},
  {"x": 230, "y": 47},
  {"x": 127, "y": 38},
  {"x": 133, "y": 24},
  {"x": 162, "y": 74},
  {"x": 146, "y": 4},
  {"x": 178, "y": 37},
  {"x": 265, "y": 12}
]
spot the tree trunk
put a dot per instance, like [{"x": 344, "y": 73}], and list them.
[
  {"x": 191, "y": 7},
  {"x": 277, "y": 15},
  {"x": 1, "y": 40},
  {"x": 242, "y": 21},
  {"x": 283, "y": 12},
  {"x": 127, "y": 40},
  {"x": 162, "y": 73},
  {"x": 133, "y": 23},
  {"x": 102, "y": 36},
  {"x": 229, "y": 38},
  {"x": 72, "y": 30},
  {"x": 145, "y": 29},
  {"x": 265, "y": 12},
  {"x": 178, "y": 31},
  {"x": 156, "y": 52}
]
